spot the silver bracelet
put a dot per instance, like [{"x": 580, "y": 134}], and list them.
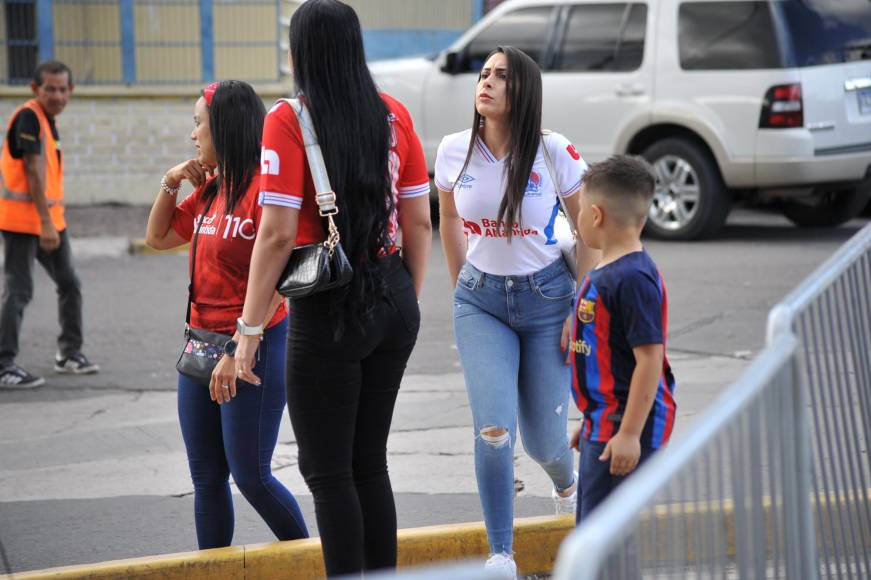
[{"x": 170, "y": 190}]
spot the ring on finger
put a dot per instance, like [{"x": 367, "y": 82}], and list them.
[{"x": 226, "y": 387}]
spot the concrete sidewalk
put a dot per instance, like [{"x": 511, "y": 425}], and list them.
[{"x": 109, "y": 469}]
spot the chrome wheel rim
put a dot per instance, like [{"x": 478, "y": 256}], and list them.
[{"x": 676, "y": 197}]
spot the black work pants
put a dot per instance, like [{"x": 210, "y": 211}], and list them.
[
  {"x": 19, "y": 253},
  {"x": 340, "y": 396}
]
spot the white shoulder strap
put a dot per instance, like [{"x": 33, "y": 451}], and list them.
[
  {"x": 548, "y": 160},
  {"x": 326, "y": 198}
]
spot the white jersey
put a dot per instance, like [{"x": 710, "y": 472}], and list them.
[{"x": 480, "y": 191}]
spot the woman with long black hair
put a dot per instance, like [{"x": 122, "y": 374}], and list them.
[
  {"x": 228, "y": 426},
  {"x": 347, "y": 348},
  {"x": 499, "y": 183}
]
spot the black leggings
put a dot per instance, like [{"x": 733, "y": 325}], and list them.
[{"x": 340, "y": 396}]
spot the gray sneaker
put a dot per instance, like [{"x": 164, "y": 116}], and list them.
[
  {"x": 15, "y": 377},
  {"x": 75, "y": 364}
]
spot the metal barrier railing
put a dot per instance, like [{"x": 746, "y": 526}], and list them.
[
  {"x": 774, "y": 479},
  {"x": 724, "y": 500},
  {"x": 830, "y": 314}
]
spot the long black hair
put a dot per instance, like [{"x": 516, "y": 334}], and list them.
[
  {"x": 236, "y": 122},
  {"x": 523, "y": 91},
  {"x": 350, "y": 119}
]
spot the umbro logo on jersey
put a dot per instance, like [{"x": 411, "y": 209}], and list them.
[
  {"x": 466, "y": 181},
  {"x": 270, "y": 164},
  {"x": 533, "y": 186}
]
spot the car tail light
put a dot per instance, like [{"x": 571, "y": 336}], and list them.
[{"x": 782, "y": 108}]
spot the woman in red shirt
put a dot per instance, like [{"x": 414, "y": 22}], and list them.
[
  {"x": 228, "y": 426},
  {"x": 348, "y": 348}
]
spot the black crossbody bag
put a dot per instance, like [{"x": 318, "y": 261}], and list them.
[
  {"x": 315, "y": 268},
  {"x": 202, "y": 348}
]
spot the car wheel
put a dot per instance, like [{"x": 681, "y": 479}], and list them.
[
  {"x": 690, "y": 200},
  {"x": 827, "y": 207}
]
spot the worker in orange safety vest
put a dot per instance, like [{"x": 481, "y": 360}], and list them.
[{"x": 33, "y": 227}]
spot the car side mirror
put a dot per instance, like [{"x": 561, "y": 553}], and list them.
[{"x": 450, "y": 64}]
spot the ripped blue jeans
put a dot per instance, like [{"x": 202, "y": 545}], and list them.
[{"x": 508, "y": 330}]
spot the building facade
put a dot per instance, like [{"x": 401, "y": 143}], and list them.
[
  {"x": 154, "y": 42},
  {"x": 138, "y": 66}
]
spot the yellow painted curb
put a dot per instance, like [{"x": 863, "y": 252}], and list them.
[
  {"x": 536, "y": 541},
  {"x": 219, "y": 563},
  {"x": 138, "y": 247}
]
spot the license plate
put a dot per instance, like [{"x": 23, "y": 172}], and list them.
[{"x": 864, "y": 96}]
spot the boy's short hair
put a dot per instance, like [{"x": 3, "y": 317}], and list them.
[
  {"x": 624, "y": 184},
  {"x": 52, "y": 67}
]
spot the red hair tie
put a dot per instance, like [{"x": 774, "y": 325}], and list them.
[{"x": 209, "y": 92}]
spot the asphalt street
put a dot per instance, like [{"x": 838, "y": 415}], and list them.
[{"x": 93, "y": 468}]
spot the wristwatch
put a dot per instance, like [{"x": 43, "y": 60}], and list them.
[
  {"x": 246, "y": 330},
  {"x": 230, "y": 348}
]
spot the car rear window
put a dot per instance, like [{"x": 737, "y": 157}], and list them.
[
  {"x": 759, "y": 34},
  {"x": 827, "y": 31},
  {"x": 727, "y": 36}
]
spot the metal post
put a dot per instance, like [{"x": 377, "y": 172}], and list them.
[
  {"x": 278, "y": 40},
  {"x": 127, "y": 13},
  {"x": 45, "y": 29},
  {"x": 477, "y": 10},
  {"x": 207, "y": 40},
  {"x": 804, "y": 521}
]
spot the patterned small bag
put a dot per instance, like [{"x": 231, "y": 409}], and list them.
[{"x": 202, "y": 348}]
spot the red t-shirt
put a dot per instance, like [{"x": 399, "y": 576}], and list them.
[
  {"x": 286, "y": 180},
  {"x": 224, "y": 251}
]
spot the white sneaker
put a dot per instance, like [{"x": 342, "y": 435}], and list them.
[
  {"x": 565, "y": 505},
  {"x": 501, "y": 566}
]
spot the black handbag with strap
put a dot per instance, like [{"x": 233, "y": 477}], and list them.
[
  {"x": 202, "y": 348},
  {"x": 323, "y": 266}
]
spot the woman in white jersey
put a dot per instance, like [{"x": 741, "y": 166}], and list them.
[{"x": 513, "y": 289}]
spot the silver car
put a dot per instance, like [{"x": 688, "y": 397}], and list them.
[{"x": 728, "y": 99}]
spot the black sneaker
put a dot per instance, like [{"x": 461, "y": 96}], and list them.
[
  {"x": 75, "y": 364},
  {"x": 15, "y": 377}
]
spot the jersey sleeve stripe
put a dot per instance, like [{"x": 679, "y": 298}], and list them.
[
  {"x": 442, "y": 186},
  {"x": 283, "y": 199},
  {"x": 572, "y": 189},
  {"x": 414, "y": 190}
]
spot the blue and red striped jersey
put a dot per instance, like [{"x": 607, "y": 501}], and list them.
[{"x": 620, "y": 306}]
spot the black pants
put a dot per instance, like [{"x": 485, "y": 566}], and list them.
[
  {"x": 340, "y": 396},
  {"x": 19, "y": 252}
]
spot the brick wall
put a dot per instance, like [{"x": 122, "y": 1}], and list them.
[{"x": 116, "y": 150}]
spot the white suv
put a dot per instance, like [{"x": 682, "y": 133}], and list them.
[{"x": 766, "y": 99}]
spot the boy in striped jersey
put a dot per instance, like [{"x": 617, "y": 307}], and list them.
[{"x": 621, "y": 379}]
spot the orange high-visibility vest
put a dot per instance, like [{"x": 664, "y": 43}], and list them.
[{"x": 17, "y": 210}]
